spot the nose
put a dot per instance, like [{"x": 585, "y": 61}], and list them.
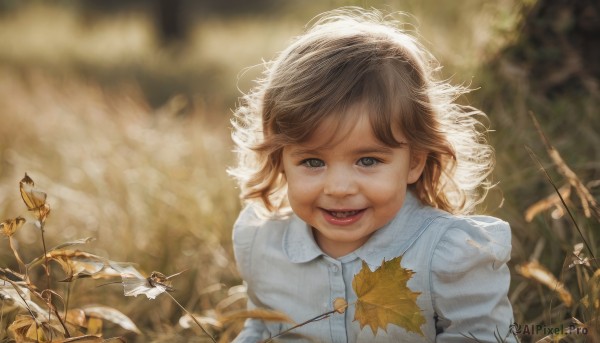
[{"x": 340, "y": 182}]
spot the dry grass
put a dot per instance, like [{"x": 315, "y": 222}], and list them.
[{"x": 150, "y": 186}]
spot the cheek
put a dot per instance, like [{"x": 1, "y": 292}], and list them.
[
  {"x": 302, "y": 188},
  {"x": 387, "y": 197},
  {"x": 389, "y": 179},
  {"x": 390, "y": 197},
  {"x": 299, "y": 186},
  {"x": 387, "y": 191}
]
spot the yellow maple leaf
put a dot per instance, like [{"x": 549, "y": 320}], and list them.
[{"x": 384, "y": 298}]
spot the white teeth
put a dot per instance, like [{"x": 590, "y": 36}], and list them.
[{"x": 343, "y": 214}]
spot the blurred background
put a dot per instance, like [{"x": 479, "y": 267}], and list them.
[{"x": 120, "y": 109}]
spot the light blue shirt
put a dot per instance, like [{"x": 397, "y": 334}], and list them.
[{"x": 459, "y": 264}]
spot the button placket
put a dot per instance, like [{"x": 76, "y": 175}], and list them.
[{"x": 338, "y": 290}]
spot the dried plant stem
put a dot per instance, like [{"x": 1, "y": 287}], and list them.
[
  {"x": 53, "y": 308},
  {"x": 62, "y": 323},
  {"x": 193, "y": 318},
  {"x": 585, "y": 242},
  {"x": 18, "y": 289},
  {"x": 314, "y": 319},
  {"x": 46, "y": 262},
  {"x": 2, "y": 314},
  {"x": 69, "y": 286},
  {"x": 22, "y": 266},
  {"x": 47, "y": 271},
  {"x": 588, "y": 202},
  {"x": 48, "y": 284}
]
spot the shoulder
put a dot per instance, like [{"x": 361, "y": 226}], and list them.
[
  {"x": 470, "y": 279},
  {"x": 251, "y": 223},
  {"x": 469, "y": 242},
  {"x": 253, "y": 232},
  {"x": 244, "y": 233},
  {"x": 246, "y": 225}
]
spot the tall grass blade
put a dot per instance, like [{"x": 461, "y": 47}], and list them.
[
  {"x": 588, "y": 202},
  {"x": 562, "y": 200}
]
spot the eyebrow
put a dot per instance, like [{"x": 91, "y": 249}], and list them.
[
  {"x": 301, "y": 152},
  {"x": 373, "y": 150},
  {"x": 361, "y": 151}
]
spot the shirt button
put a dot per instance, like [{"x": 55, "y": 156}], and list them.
[{"x": 334, "y": 268}]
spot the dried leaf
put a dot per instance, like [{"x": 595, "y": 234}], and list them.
[
  {"x": 230, "y": 300},
  {"x": 551, "y": 201},
  {"x": 187, "y": 322},
  {"x": 109, "y": 271},
  {"x": 39, "y": 259},
  {"x": 6, "y": 273},
  {"x": 10, "y": 226},
  {"x": 14, "y": 293},
  {"x": 579, "y": 257},
  {"x": 135, "y": 286},
  {"x": 71, "y": 243},
  {"x": 112, "y": 315},
  {"x": 83, "y": 339},
  {"x": 535, "y": 271},
  {"x": 588, "y": 202},
  {"x": 34, "y": 199},
  {"x": 76, "y": 316},
  {"x": 78, "y": 264},
  {"x": 159, "y": 279},
  {"x": 19, "y": 293},
  {"x": 94, "y": 326},
  {"x": 134, "y": 283},
  {"x": 19, "y": 329},
  {"x": 384, "y": 298},
  {"x": 26, "y": 329},
  {"x": 592, "y": 298}
]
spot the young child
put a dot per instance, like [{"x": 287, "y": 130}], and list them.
[{"x": 351, "y": 150}]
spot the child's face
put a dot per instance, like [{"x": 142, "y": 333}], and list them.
[{"x": 350, "y": 189}]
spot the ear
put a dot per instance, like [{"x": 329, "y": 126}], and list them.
[{"x": 417, "y": 164}]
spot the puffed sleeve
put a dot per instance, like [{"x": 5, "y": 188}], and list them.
[
  {"x": 470, "y": 280},
  {"x": 244, "y": 233}
]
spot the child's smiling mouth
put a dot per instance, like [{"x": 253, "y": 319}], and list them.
[{"x": 342, "y": 216}]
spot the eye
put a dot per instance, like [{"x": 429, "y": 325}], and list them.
[
  {"x": 312, "y": 163},
  {"x": 368, "y": 161}
]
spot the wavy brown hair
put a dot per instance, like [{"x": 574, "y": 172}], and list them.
[{"x": 351, "y": 56}]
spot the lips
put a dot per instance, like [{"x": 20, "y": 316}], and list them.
[{"x": 342, "y": 216}]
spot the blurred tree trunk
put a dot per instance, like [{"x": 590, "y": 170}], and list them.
[
  {"x": 559, "y": 46},
  {"x": 170, "y": 21}
]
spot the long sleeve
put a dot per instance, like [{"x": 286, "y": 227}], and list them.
[
  {"x": 470, "y": 281},
  {"x": 243, "y": 239}
]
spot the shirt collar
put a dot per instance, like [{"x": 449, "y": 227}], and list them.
[
  {"x": 393, "y": 239},
  {"x": 403, "y": 230},
  {"x": 298, "y": 242}
]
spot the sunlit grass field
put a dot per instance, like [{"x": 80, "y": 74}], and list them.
[{"x": 131, "y": 141}]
